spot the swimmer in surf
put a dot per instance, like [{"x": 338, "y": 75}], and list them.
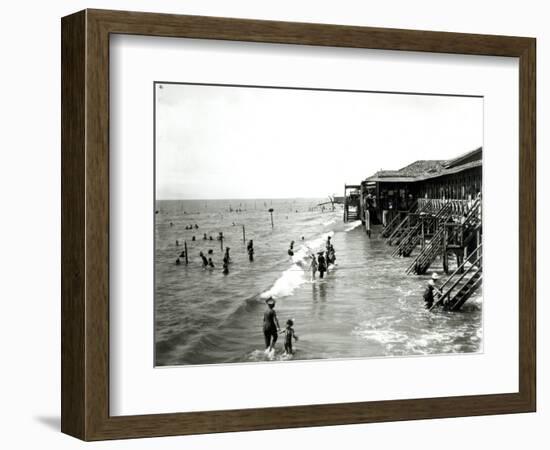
[
  {"x": 204, "y": 260},
  {"x": 313, "y": 267},
  {"x": 250, "y": 250},
  {"x": 322, "y": 265},
  {"x": 291, "y": 249},
  {"x": 271, "y": 325},
  {"x": 289, "y": 334}
]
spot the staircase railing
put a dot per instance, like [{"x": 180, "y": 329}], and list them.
[
  {"x": 447, "y": 293},
  {"x": 423, "y": 260},
  {"x": 429, "y": 252},
  {"x": 407, "y": 240},
  {"x": 390, "y": 227},
  {"x": 399, "y": 228}
]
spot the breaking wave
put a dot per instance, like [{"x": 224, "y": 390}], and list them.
[{"x": 297, "y": 274}]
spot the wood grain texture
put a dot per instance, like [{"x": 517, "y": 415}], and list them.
[
  {"x": 85, "y": 224},
  {"x": 73, "y": 227}
]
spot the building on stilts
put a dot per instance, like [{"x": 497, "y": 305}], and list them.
[{"x": 431, "y": 210}]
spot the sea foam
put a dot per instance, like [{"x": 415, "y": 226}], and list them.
[{"x": 295, "y": 276}]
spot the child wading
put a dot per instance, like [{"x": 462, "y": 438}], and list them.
[{"x": 289, "y": 334}]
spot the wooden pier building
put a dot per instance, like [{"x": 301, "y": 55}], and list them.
[{"x": 431, "y": 209}]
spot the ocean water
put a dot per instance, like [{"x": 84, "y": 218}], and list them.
[{"x": 366, "y": 306}]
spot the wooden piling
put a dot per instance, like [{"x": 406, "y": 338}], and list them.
[
  {"x": 445, "y": 255},
  {"x": 244, "y": 235},
  {"x": 423, "y": 241},
  {"x": 186, "y": 253}
]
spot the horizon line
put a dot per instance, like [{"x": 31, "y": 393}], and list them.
[{"x": 244, "y": 198}]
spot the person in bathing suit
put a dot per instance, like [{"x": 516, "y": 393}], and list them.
[
  {"x": 313, "y": 267},
  {"x": 322, "y": 264},
  {"x": 204, "y": 260},
  {"x": 250, "y": 250},
  {"x": 291, "y": 249},
  {"x": 289, "y": 334},
  {"x": 429, "y": 292},
  {"x": 271, "y": 324}
]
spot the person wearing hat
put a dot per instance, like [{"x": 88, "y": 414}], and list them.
[
  {"x": 271, "y": 325},
  {"x": 429, "y": 292}
]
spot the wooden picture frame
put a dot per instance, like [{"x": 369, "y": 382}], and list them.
[{"x": 85, "y": 224}]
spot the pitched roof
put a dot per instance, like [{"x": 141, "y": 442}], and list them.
[
  {"x": 422, "y": 167},
  {"x": 425, "y": 168}
]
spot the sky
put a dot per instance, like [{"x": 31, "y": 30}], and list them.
[{"x": 217, "y": 142}]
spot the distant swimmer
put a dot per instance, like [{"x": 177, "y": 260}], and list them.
[
  {"x": 204, "y": 260},
  {"x": 211, "y": 238},
  {"x": 204, "y": 237},
  {"x": 250, "y": 250},
  {"x": 210, "y": 251},
  {"x": 271, "y": 325},
  {"x": 225, "y": 267},
  {"x": 289, "y": 335},
  {"x": 193, "y": 238},
  {"x": 178, "y": 262},
  {"x": 291, "y": 249},
  {"x": 196, "y": 227},
  {"x": 429, "y": 292},
  {"x": 328, "y": 243},
  {"x": 303, "y": 238},
  {"x": 322, "y": 265},
  {"x": 177, "y": 243},
  {"x": 226, "y": 257},
  {"x": 182, "y": 254},
  {"x": 313, "y": 267},
  {"x": 210, "y": 263}
]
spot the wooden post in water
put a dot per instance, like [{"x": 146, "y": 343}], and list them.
[
  {"x": 423, "y": 242},
  {"x": 244, "y": 236},
  {"x": 361, "y": 208},
  {"x": 345, "y": 204},
  {"x": 185, "y": 247},
  {"x": 271, "y": 212},
  {"x": 445, "y": 256},
  {"x": 221, "y": 241},
  {"x": 478, "y": 241}
]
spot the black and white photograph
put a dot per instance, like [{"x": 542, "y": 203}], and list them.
[{"x": 300, "y": 224}]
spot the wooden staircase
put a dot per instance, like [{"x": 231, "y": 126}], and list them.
[
  {"x": 415, "y": 234},
  {"x": 404, "y": 225},
  {"x": 352, "y": 214},
  {"x": 394, "y": 223},
  {"x": 458, "y": 234},
  {"x": 462, "y": 282}
]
